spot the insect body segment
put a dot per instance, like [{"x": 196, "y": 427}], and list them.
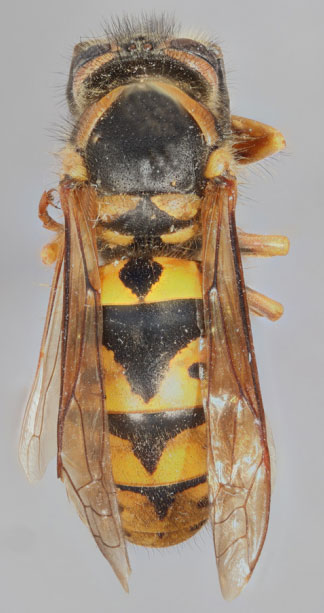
[{"x": 147, "y": 386}]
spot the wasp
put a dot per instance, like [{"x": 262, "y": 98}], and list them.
[{"x": 147, "y": 387}]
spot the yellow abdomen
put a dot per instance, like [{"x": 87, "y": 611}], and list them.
[{"x": 157, "y": 426}]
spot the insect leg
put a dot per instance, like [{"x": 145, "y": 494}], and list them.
[
  {"x": 263, "y": 306},
  {"x": 263, "y": 246},
  {"x": 48, "y": 222},
  {"x": 254, "y": 141},
  {"x": 51, "y": 250},
  {"x": 260, "y": 245}
]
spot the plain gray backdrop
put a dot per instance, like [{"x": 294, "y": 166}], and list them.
[{"x": 274, "y": 58}]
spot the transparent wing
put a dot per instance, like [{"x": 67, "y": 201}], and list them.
[
  {"x": 83, "y": 444},
  {"x": 239, "y": 464},
  {"x": 38, "y": 440}
]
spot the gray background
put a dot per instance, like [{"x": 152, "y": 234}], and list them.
[{"x": 274, "y": 58}]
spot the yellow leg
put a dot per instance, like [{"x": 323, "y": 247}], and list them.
[
  {"x": 263, "y": 306},
  {"x": 263, "y": 246},
  {"x": 50, "y": 251},
  {"x": 253, "y": 141},
  {"x": 48, "y": 222}
]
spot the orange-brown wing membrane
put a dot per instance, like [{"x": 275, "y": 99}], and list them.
[
  {"x": 83, "y": 445},
  {"x": 239, "y": 464},
  {"x": 38, "y": 440}
]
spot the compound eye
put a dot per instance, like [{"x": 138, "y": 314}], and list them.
[
  {"x": 131, "y": 47},
  {"x": 148, "y": 46}
]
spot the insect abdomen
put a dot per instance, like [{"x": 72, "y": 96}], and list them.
[{"x": 156, "y": 420}]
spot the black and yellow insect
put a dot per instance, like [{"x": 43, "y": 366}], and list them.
[{"x": 147, "y": 387}]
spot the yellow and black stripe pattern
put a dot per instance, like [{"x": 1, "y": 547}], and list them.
[{"x": 156, "y": 420}]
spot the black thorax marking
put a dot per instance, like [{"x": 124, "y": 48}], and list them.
[{"x": 147, "y": 220}]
